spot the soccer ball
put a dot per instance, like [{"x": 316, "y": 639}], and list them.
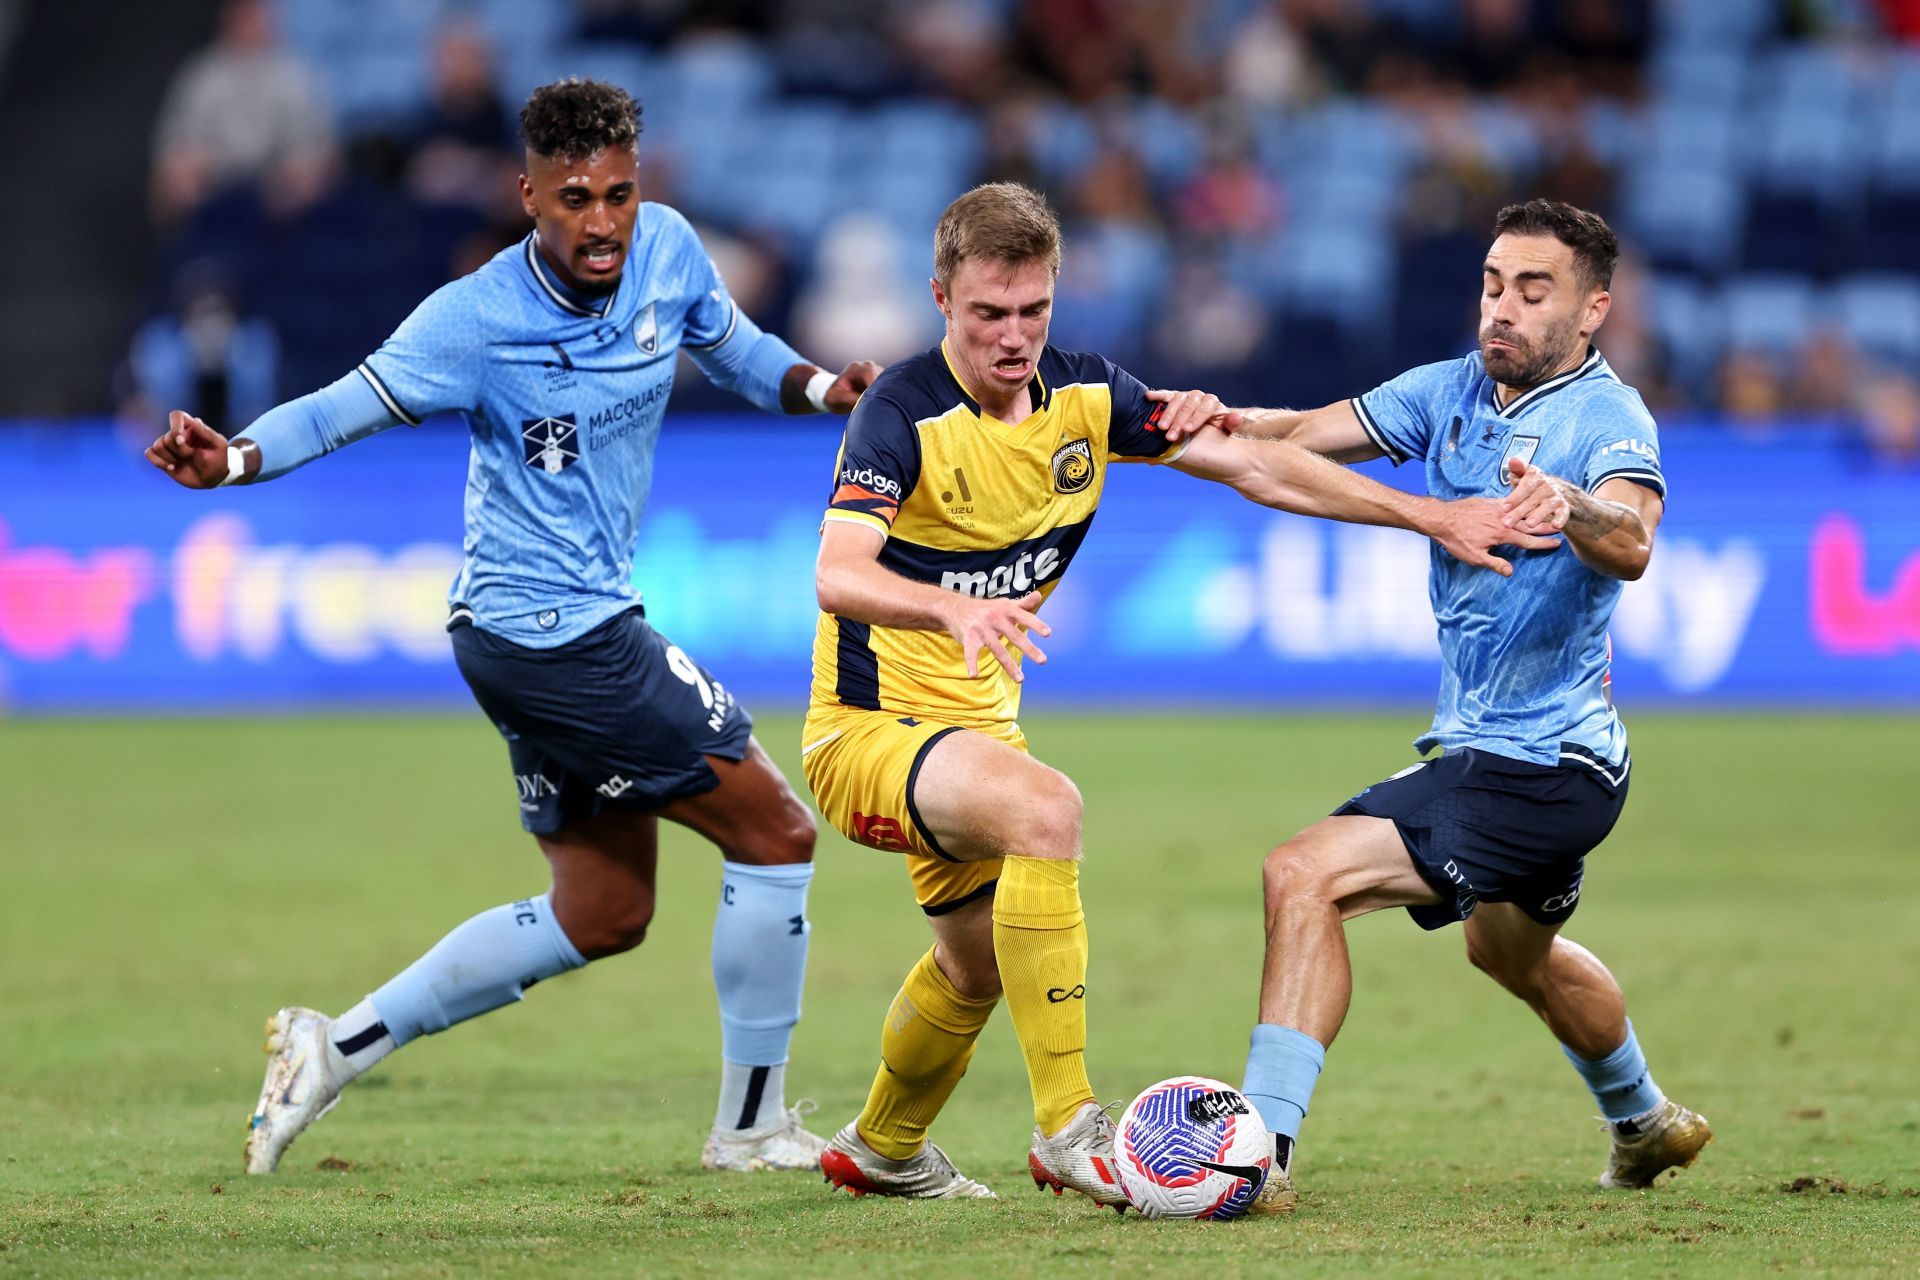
[{"x": 1191, "y": 1147}]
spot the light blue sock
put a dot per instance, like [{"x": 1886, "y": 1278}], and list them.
[
  {"x": 485, "y": 963},
  {"x": 1282, "y": 1066},
  {"x": 760, "y": 959},
  {"x": 1620, "y": 1082}
]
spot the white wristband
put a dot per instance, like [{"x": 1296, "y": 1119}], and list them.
[
  {"x": 817, "y": 389},
  {"x": 236, "y": 465}
]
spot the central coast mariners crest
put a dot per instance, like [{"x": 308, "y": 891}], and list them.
[
  {"x": 1521, "y": 447},
  {"x": 646, "y": 333},
  {"x": 552, "y": 443},
  {"x": 1073, "y": 466}
]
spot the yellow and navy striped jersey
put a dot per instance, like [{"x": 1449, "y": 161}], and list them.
[{"x": 971, "y": 504}]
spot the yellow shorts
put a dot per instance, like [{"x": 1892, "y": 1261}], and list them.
[{"x": 861, "y": 765}]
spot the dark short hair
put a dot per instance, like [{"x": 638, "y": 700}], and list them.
[
  {"x": 572, "y": 119},
  {"x": 1593, "y": 243}
]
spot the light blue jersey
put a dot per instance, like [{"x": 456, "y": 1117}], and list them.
[
  {"x": 564, "y": 395},
  {"x": 1525, "y": 660}
]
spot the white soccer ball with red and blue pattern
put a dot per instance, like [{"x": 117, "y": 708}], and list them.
[{"x": 1191, "y": 1147}]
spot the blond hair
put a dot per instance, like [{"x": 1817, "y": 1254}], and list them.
[{"x": 1002, "y": 221}]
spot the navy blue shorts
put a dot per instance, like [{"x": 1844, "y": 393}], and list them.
[
  {"x": 1481, "y": 826},
  {"x": 620, "y": 718}
]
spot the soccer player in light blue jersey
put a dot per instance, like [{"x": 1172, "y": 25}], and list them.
[
  {"x": 560, "y": 355},
  {"x": 1533, "y": 763}
]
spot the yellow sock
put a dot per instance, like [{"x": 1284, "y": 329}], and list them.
[
  {"x": 1040, "y": 940},
  {"x": 924, "y": 1050}
]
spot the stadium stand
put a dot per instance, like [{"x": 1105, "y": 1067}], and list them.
[{"x": 1762, "y": 159}]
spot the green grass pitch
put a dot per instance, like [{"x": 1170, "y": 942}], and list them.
[{"x": 167, "y": 884}]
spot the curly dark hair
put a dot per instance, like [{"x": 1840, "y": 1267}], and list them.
[
  {"x": 1587, "y": 234},
  {"x": 572, "y": 119}
]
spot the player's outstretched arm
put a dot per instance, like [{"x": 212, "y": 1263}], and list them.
[
  {"x": 852, "y": 583},
  {"x": 1611, "y": 529},
  {"x": 761, "y": 367},
  {"x": 807, "y": 388},
  {"x": 1289, "y": 477},
  {"x": 1332, "y": 431},
  {"x": 281, "y": 439}
]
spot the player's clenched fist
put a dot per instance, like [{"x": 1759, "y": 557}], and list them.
[
  {"x": 847, "y": 388},
  {"x": 993, "y": 625},
  {"x": 190, "y": 451},
  {"x": 1538, "y": 503},
  {"x": 1182, "y": 413}
]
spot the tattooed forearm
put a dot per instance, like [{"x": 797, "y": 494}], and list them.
[
  {"x": 1588, "y": 517},
  {"x": 1610, "y": 537}
]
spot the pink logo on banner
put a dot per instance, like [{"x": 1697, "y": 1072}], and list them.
[
  {"x": 1849, "y": 619},
  {"x": 53, "y": 602}
]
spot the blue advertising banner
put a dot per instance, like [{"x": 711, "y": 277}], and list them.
[{"x": 1787, "y": 573}]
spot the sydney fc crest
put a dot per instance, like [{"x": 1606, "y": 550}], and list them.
[
  {"x": 1073, "y": 466},
  {"x": 1521, "y": 447},
  {"x": 646, "y": 333},
  {"x": 552, "y": 444}
]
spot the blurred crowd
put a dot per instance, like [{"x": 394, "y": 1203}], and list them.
[{"x": 1284, "y": 201}]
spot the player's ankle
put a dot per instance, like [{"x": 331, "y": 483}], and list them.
[{"x": 1635, "y": 1125}]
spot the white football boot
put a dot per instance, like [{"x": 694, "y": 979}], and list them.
[
  {"x": 791, "y": 1146},
  {"x": 299, "y": 1089},
  {"x": 927, "y": 1174},
  {"x": 1080, "y": 1158}
]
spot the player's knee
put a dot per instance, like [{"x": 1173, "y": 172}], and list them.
[
  {"x": 792, "y": 839},
  {"x": 977, "y": 980},
  {"x": 1052, "y": 816},
  {"x": 967, "y": 961},
  {"x": 786, "y": 839},
  {"x": 1291, "y": 873},
  {"x": 614, "y": 927}
]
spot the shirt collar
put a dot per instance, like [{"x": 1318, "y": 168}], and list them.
[
  {"x": 1042, "y": 395},
  {"x": 1594, "y": 363},
  {"x": 568, "y": 300}
]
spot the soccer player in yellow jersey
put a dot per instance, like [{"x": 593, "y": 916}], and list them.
[{"x": 967, "y": 480}]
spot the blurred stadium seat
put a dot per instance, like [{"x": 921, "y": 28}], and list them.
[
  {"x": 1881, "y": 313},
  {"x": 1750, "y": 167},
  {"x": 1768, "y": 313}
]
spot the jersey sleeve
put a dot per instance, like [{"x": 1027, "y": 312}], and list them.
[
  {"x": 293, "y": 434},
  {"x": 712, "y": 317},
  {"x": 879, "y": 464},
  {"x": 1622, "y": 443},
  {"x": 435, "y": 362},
  {"x": 1400, "y": 416},
  {"x": 1133, "y": 434},
  {"x": 733, "y": 351},
  {"x": 711, "y": 314}
]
